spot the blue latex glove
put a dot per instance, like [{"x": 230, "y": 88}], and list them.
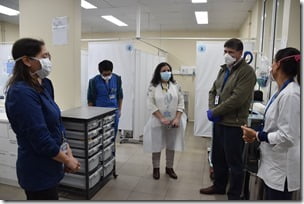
[
  {"x": 211, "y": 118},
  {"x": 210, "y": 115}
]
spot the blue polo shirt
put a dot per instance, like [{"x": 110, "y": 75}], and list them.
[{"x": 35, "y": 118}]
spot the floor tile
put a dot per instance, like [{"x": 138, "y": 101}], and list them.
[
  {"x": 135, "y": 181},
  {"x": 158, "y": 187},
  {"x": 145, "y": 196}
]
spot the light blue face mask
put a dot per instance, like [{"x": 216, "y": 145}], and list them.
[{"x": 165, "y": 76}]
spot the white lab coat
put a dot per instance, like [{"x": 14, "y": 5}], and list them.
[
  {"x": 280, "y": 158},
  {"x": 156, "y": 135}
]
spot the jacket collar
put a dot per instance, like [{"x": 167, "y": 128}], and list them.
[{"x": 236, "y": 66}]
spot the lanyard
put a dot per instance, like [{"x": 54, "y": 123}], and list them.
[
  {"x": 107, "y": 85},
  {"x": 227, "y": 73},
  {"x": 276, "y": 95}
]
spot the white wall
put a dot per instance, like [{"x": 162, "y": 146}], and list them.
[
  {"x": 37, "y": 23},
  {"x": 251, "y": 25},
  {"x": 8, "y": 32},
  {"x": 294, "y": 33}
]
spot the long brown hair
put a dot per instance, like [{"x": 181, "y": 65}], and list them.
[{"x": 30, "y": 48}]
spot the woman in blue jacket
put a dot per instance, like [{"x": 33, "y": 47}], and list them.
[{"x": 36, "y": 121}]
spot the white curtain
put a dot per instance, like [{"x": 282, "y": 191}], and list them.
[
  {"x": 209, "y": 57},
  {"x": 145, "y": 66},
  {"x": 84, "y": 77},
  {"x": 122, "y": 54}
]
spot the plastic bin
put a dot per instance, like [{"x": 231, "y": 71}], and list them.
[
  {"x": 108, "y": 134},
  {"x": 108, "y": 119},
  {"x": 81, "y": 135},
  {"x": 93, "y": 162},
  {"x": 108, "y": 126},
  {"x": 107, "y": 153},
  {"x": 81, "y": 152},
  {"x": 108, "y": 141},
  {"x": 108, "y": 167},
  {"x": 80, "y": 126},
  {"x": 79, "y": 181},
  {"x": 81, "y": 143}
]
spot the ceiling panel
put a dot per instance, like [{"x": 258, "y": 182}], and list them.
[{"x": 157, "y": 14}]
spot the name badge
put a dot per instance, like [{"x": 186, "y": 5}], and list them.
[
  {"x": 64, "y": 147},
  {"x": 112, "y": 96},
  {"x": 167, "y": 114},
  {"x": 216, "y": 100}
]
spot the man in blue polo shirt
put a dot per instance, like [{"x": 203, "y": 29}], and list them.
[{"x": 105, "y": 90}]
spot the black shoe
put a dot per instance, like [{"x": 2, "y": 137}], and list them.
[
  {"x": 171, "y": 173},
  {"x": 211, "y": 190},
  {"x": 156, "y": 173}
]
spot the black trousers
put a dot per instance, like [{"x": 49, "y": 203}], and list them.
[
  {"x": 227, "y": 150},
  {"x": 48, "y": 194},
  {"x": 272, "y": 194}
]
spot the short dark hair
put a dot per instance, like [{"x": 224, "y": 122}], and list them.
[
  {"x": 289, "y": 65},
  {"x": 235, "y": 44},
  {"x": 105, "y": 65},
  {"x": 156, "y": 77}
]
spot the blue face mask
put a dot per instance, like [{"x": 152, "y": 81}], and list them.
[{"x": 165, "y": 76}]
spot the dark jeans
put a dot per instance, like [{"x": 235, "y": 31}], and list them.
[
  {"x": 271, "y": 194},
  {"x": 48, "y": 194},
  {"x": 227, "y": 149}
]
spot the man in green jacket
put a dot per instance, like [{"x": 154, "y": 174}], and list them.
[{"x": 229, "y": 101}]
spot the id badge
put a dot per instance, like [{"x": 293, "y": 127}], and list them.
[
  {"x": 216, "y": 100},
  {"x": 112, "y": 96},
  {"x": 64, "y": 147},
  {"x": 167, "y": 114}
]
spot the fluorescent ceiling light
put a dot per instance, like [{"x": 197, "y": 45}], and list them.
[
  {"x": 8, "y": 11},
  {"x": 201, "y": 17},
  {"x": 87, "y": 5},
  {"x": 114, "y": 20},
  {"x": 199, "y": 1}
]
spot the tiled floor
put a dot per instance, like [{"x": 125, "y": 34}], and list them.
[{"x": 135, "y": 181}]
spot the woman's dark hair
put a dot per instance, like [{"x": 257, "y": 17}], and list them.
[
  {"x": 105, "y": 65},
  {"x": 30, "y": 48},
  {"x": 156, "y": 77},
  {"x": 289, "y": 59}
]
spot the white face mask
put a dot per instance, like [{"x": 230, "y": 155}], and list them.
[
  {"x": 229, "y": 60},
  {"x": 46, "y": 67},
  {"x": 106, "y": 78},
  {"x": 270, "y": 74}
]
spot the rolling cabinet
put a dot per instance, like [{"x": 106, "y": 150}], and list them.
[
  {"x": 108, "y": 143},
  {"x": 90, "y": 134}
]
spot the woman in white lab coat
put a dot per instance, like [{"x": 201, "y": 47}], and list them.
[
  {"x": 167, "y": 123},
  {"x": 280, "y": 138}
]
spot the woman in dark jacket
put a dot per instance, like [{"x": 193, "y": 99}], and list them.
[{"x": 36, "y": 120}]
